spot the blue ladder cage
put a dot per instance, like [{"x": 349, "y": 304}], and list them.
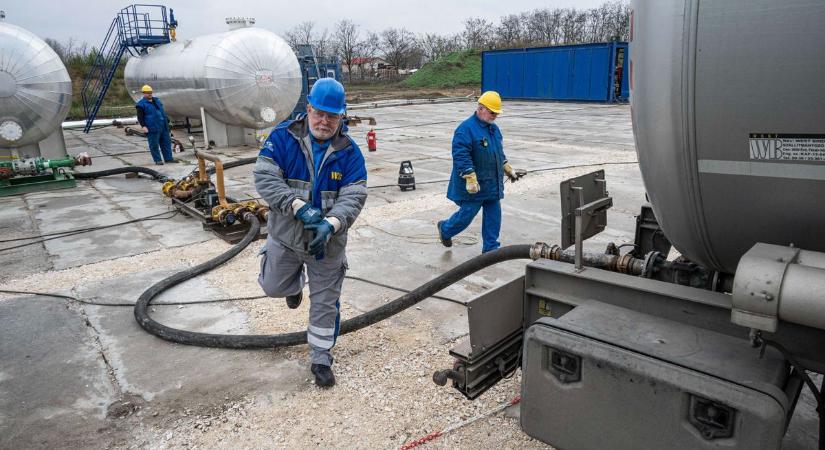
[
  {"x": 312, "y": 69},
  {"x": 582, "y": 72},
  {"x": 133, "y": 29}
]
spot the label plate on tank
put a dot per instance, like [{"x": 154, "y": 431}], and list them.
[{"x": 786, "y": 147}]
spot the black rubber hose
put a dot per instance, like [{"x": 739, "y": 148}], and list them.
[
  {"x": 299, "y": 337},
  {"x": 159, "y": 177}
]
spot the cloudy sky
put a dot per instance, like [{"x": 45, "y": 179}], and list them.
[{"x": 88, "y": 20}]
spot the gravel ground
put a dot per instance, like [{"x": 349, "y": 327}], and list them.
[{"x": 384, "y": 396}]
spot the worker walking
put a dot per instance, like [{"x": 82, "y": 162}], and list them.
[
  {"x": 477, "y": 178},
  {"x": 313, "y": 176},
  {"x": 154, "y": 122}
]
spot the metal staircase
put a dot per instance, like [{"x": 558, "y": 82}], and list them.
[{"x": 134, "y": 29}]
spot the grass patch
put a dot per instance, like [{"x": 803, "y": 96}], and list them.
[{"x": 455, "y": 69}]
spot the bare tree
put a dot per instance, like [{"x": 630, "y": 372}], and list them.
[
  {"x": 396, "y": 45},
  {"x": 370, "y": 49},
  {"x": 348, "y": 42},
  {"x": 476, "y": 32},
  {"x": 542, "y": 27},
  {"x": 510, "y": 31},
  {"x": 58, "y": 48},
  {"x": 324, "y": 45},
  {"x": 434, "y": 46},
  {"x": 304, "y": 32}
]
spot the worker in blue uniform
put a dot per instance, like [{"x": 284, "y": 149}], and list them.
[
  {"x": 314, "y": 178},
  {"x": 477, "y": 178},
  {"x": 154, "y": 122}
]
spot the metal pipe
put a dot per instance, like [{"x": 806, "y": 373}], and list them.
[
  {"x": 802, "y": 297},
  {"x": 615, "y": 263},
  {"x": 203, "y": 176},
  {"x": 69, "y": 125},
  {"x": 424, "y": 101},
  {"x": 773, "y": 283}
]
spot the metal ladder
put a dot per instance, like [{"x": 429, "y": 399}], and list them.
[{"x": 134, "y": 29}]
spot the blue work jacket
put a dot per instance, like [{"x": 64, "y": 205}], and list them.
[
  {"x": 286, "y": 171},
  {"x": 153, "y": 114},
  {"x": 477, "y": 147}
]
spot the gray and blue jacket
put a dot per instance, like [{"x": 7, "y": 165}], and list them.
[{"x": 285, "y": 172}]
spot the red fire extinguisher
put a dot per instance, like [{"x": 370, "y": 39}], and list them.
[{"x": 372, "y": 144}]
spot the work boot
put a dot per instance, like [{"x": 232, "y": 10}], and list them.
[
  {"x": 323, "y": 375},
  {"x": 158, "y": 163},
  {"x": 294, "y": 301},
  {"x": 444, "y": 242}
]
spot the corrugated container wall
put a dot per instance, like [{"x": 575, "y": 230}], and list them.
[{"x": 584, "y": 72}]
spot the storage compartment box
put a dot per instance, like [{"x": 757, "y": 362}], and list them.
[{"x": 605, "y": 377}]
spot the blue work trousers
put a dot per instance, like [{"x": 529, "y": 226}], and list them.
[
  {"x": 490, "y": 221},
  {"x": 160, "y": 141}
]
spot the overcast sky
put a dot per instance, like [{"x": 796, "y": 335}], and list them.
[{"x": 88, "y": 20}]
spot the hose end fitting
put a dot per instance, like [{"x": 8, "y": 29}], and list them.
[{"x": 541, "y": 250}]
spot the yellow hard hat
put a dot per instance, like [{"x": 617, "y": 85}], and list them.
[
  {"x": 491, "y": 100},
  {"x": 146, "y": 89}
]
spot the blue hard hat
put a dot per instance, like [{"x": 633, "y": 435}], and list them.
[{"x": 328, "y": 95}]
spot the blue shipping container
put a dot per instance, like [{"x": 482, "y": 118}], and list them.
[{"x": 584, "y": 72}]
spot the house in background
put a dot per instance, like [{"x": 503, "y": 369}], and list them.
[{"x": 368, "y": 68}]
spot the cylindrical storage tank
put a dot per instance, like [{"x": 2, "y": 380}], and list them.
[
  {"x": 245, "y": 77},
  {"x": 728, "y": 108},
  {"x": 35, "y": 88}
]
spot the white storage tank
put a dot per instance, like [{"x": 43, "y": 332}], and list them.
[
  {"x": 35, "y": 94},
  {"x": 245, "y": 77},
  {"x": 728, "y": 107}
]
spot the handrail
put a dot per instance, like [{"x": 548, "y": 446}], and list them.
[{"x": 203, "y": 176}]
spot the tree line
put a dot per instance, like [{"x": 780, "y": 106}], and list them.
[{"x": 403, "y": 49}]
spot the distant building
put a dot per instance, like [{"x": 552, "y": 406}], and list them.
[{"x": 367, "y": 67}]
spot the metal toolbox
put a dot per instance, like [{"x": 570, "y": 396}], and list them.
[{"x": 605, "y": 377}]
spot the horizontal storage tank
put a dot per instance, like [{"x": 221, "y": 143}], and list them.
[
  {"x": 246, "y": 77},
  {"x": 585, "y": 72},
  {"x": 728, "y": 107},
  {"x": 35, "y": 88}
]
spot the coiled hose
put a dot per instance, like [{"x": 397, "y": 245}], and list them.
[
  {"x": 297, "y": 338},
  {"x": 159, "y": 177}
]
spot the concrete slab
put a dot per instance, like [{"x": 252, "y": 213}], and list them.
[
  {"x": 54, "y": 385},
  {"x": 156, "y": 370},
  {"x": 16, "y": 222}
]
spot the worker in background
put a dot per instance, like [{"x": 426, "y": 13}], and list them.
[
  {"x": 313, "y": 176},
  {"x": 155, "y": 124},
  {"x": 477, "y": 179}
]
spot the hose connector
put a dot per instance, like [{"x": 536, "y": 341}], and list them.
[{"x": 541, "y": 250}]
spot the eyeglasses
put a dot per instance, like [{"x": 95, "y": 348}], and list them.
[
  {"x": 490, "y": 111},
  {"x": 323, "y": 115}
]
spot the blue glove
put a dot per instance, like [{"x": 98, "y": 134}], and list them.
[
  {"x": 309, "y": 215},
  {"x": 323, "y": 233}
]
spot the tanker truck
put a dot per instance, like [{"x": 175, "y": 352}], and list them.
[{"x": 706, "y": 333}]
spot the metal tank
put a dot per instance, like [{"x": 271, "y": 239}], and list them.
[
  {"x": 728, "y": 108},
  {"x": 245, "y": 77},
  {"x": 35, "y": 88}
]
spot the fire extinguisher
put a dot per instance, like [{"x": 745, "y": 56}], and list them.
[{"x": 372, "y": 144}]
